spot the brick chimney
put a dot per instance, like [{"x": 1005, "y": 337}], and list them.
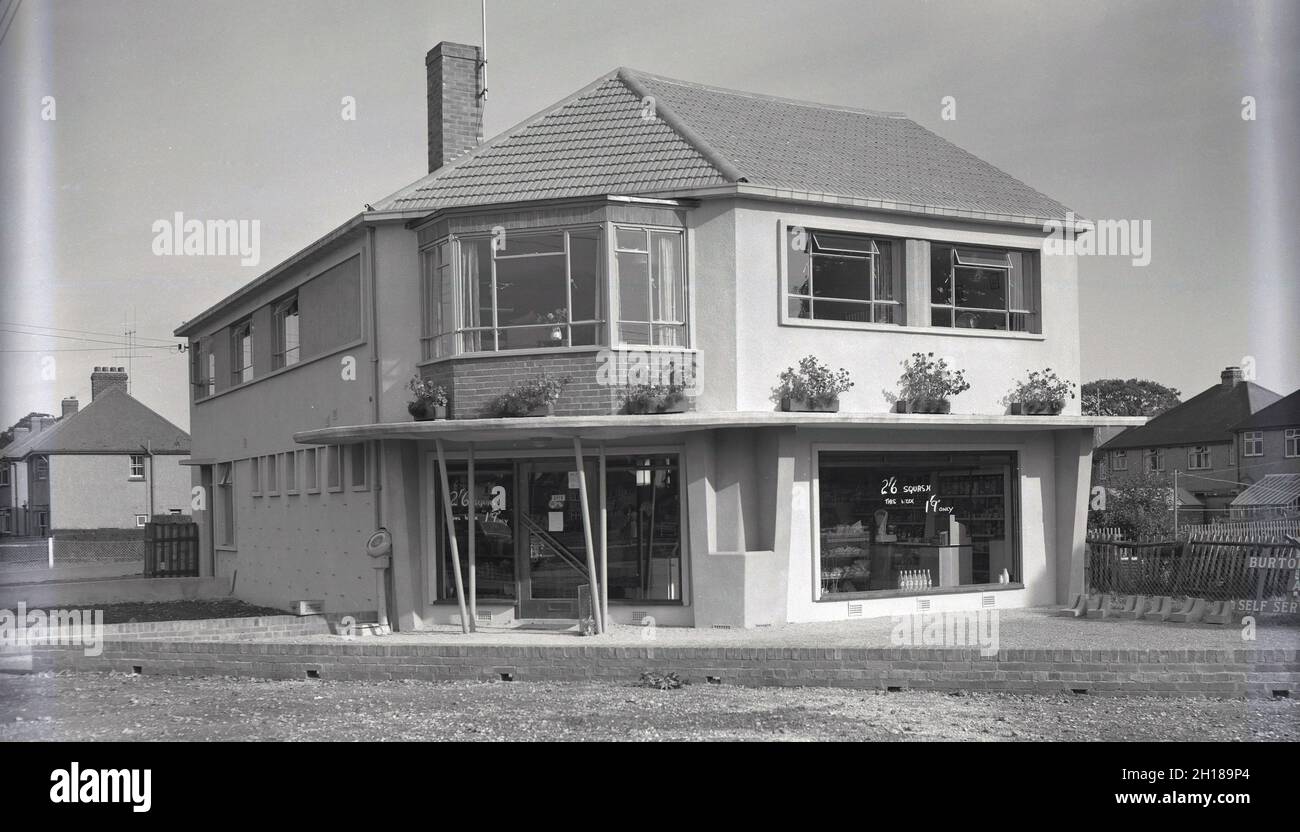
[
  {"x": 455, "y": 106},
  {"x": 70, "y": 406},
  {"x": 1230, "y": 377},
  {"x": 105, "y": 379}
]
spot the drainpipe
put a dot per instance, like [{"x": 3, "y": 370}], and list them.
[
  {"x": 376, "y": 371},
  {"x": 148, "y": 479}
]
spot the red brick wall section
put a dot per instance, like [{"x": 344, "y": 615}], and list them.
[
  {"x": 473, "y": 383},
  {"x": 1214, "y": 673}
]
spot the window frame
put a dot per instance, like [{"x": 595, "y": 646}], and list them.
[
  {"x": 334, "y": 467},
  {"x": 955, "y": 263},
  {"x": 41, "y": 469},
  {"x": 224, "y": 502},
  {"x": 271, "y": 468},
  {"x": 1291, "y": 443},
  {"x": 280, "y": 350},
  {"x": 291, "y": 469},
  {"x": 442, "y": 259},
  {"x": 364, "y": 485},
  {"x": 131, "y": 466},
  {"x": 239, "y": 372},
  {"x": 615, "y": 292},
  {"x": 1249, "y": 439},
  {"x": 1195, "y": 453},
  {"x": 1117, "y": 456},
  {"x": 255, "y": 476},
  {"x": 141, "y": 520},
  {"x": 1158, "y": 456},
  {"x": 872, "y": 258},
  {"x": 311, "y": 485}
]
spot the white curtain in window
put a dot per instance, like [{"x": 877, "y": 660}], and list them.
[{"x": 666, "y": 285}]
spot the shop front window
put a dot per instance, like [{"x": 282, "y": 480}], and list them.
[
  {"x": 645, "y": 539},
  {"x": 916, "y": 522},
  {"x": 493, "y": 504}
]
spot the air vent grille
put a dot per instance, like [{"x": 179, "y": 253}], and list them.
[
  {"x": 855, "y": 610},
  {"x": 988, "y": 601},
  {"x": 923, "y": 604}
]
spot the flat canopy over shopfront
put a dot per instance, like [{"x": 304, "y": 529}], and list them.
[{"x": 600, "y": 428}]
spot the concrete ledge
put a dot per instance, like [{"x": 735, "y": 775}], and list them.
[
  {"x": 111, "y": 591},
  {"x": 1213, "y": 673}
]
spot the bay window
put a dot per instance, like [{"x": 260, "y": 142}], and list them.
[
  {"x": 834, "y": 276},
  {"x": 651, "y": 281},
  {"x": 512, "y": 291},
  {"x": 978, "y": 288}
]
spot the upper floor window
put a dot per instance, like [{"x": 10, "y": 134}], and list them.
[
  {"x": 4, "y": 473},
  {"x": 287, "y": 350},
  {"x": 1155, "y": 460},
  {"x": 1198, "y": 458},
  {"x": 1292, "y": 437},
  {"x": 981, "y": 288},
  {"x": 514, "y": 290},
  {"x": 1119, "y": 460},
  {"x": 1252, "y": 443},
  {"x": 137, "y": 466},
  {"x": 834, "y": 276},
  {"x": 203, "y": 369},
  {"x": 241, "y": 353},
  {"x": 650, "y": 277},
  {"x": 41, "y": 468}
]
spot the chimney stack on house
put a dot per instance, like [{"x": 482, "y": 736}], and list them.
[
  {"x": 455, "y": 102},
  {"x": 40, "y": 423},
  {"x": 105, "y": 379},
  {"x": 70, "y": 406},
  {"x": 1230, "y": 377}
]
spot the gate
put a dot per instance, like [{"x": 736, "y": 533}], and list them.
[{"x": 171, "y": 548}]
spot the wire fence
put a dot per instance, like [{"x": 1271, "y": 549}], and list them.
[{"x": 1215, "y": 569}]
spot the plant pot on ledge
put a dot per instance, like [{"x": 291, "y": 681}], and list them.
[
  {"x": 923, "y": 406},
  {"x": 653, "y": 406},
  {"x": 791, "y": 404},
  {"x": 426, "y": 412},
  {"x": 1037, "y": 408}
]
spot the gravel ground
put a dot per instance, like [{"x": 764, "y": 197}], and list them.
[{"x": 89, "y": 706}]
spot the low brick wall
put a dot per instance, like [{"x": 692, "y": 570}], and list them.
[
  {"x": 1214, "y": 673},
  {"x": 473, "y": 383},
  {"x": 220, "y": 629}
]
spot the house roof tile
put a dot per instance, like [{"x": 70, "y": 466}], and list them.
[
  {"x": 1206, "y": 418},
  {"x": 1284, "y": 413},
  {"x": 113, "y": 423},
  {"x": 599, "y": 141}
]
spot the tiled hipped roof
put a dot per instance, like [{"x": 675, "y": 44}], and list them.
[
  {"x": 599, "y": 142},
  {"x": 1206, "y": 418}
]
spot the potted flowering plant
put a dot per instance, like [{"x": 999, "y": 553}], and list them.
[
  {"x": 430, "y": 400},
  {"x": 1041, "y": 394},
  {"x": 655, "y": 398},
  {"x": 556, "y": 319},
  {"x": 927, "y": 385},
  {"x": 535, "y": 397},
  {"x": 812, "y": 387}
]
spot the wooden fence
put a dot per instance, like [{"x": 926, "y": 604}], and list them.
[{"x": 171, "y": 549}]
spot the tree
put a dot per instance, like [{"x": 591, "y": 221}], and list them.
[
  {"x": 1127, "y": 397},
  {"x": 1140, "y": 504}
]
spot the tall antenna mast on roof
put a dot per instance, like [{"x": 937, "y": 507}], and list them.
[{"x": 483, "y": 63}]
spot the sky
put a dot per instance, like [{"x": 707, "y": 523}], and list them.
[{"x": 115, "y": 114}]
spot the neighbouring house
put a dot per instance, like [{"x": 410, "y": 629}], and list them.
[
  {"x": 14, "y": 518},
  {"x": 1268, "y": 442},
  {"x": 1195, "y": 439},
  {"x": 110, "y": 465},
  {"x": 640, "y": 228}
]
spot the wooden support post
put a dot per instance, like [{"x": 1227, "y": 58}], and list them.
[
  {"x": 604, "y": 539},
  {"x": 596, "y": 611},
  {"x": 473, "y": 507},
  {"x": 451, "y": 536}
]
